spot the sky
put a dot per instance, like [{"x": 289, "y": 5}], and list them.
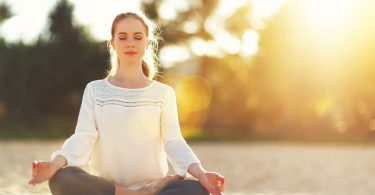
[{"x": 30, "y": 19}]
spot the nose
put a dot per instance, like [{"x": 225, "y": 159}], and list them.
[{"x": 130, "y": 43}]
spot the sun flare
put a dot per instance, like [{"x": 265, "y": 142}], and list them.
[{"x": 328, "y": 13}]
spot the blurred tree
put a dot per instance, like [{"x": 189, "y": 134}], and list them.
[
  {"x": 5, "y": 12},
  {"x": 72, "y": 60},
  {"x": 173, "y": 30},
  {"x": 61, "y": 24},
  {"x": 231, "y": 85},
  {"x": 46, "y": 79},
  {"x": 239, "y": 22}
]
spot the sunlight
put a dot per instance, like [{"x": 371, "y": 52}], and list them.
[
  {"x": 325, "y": 29},
  {"x": 228, "y": 7},
  {"x": 247, "y": 45},
  {"x": 98, "y": 17},
  {"x": 328, "y": 13},
  {"x": 372, "y": 125},
  {"x": 191, "y": 27},
  {"x": 266, "y": 8},
  {"x": 252, "y": 101},
  {"x": 341, "y": 126},
  {"x": 201, "y": 47},
  {"x": 167, "y": 11},
  {"x": 171, "y": 54},
  {"x": 179, "y": 5},
  {"x": 250, "y": 43},
  {"x": 26, "y": 23},
  {"x": 228, "y": 42},
  {"x": 324, "y": 105},
  {"x": 194, "y": 94}
]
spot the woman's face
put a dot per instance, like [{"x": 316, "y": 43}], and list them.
[{"x": 130, "y": 40}]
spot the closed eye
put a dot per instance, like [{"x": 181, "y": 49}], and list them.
[{"x": 137, "y": 38}]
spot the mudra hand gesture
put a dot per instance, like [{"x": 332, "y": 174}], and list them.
[
  {"x": 213, "y": 182},
  {"x": 42, "y": 171}
]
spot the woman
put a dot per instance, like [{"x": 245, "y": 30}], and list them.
[{"x": 127, "y": 129}]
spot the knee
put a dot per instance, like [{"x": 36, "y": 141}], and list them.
[
  {"x": 196, "y": 187},
  {"x": 193, "y": 187},
  {"x": 62, "y": 178}
]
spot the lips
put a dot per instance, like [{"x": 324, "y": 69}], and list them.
[{"x": 130, "y": 53}]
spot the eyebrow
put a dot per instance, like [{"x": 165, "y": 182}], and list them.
[{"x": 136, "y": 33}]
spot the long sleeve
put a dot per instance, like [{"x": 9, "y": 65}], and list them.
[
  {"x": 179, "y": 154},
  {"x": 78, "y": 147}
]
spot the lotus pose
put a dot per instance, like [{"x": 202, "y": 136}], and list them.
[{"x": 127, "y": 129}]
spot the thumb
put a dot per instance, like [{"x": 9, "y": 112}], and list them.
[{"x": 35, "y": 163}]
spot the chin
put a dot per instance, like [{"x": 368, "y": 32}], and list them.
[{"x": 131, "y": 60}]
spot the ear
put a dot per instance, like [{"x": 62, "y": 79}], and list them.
[{"x": 111, "y": 43}]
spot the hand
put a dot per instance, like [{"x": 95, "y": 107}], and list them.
[
  {"x": 42, "y": 171},
  {"x": 213, "y": 182}
]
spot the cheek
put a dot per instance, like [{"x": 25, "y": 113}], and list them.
[
  {"x": 115, "y": 45},
  {"x": 142, "y": 45}
]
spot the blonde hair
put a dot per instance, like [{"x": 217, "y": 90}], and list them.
[{"x": 150, "y": 61}]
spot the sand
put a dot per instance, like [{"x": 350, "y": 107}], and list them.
[{"x": 249, "y": 168}]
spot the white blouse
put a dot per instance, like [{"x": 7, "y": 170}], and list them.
[{"x": 126, "y": 135}]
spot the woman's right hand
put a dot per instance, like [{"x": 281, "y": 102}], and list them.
[{"x": 42, "y": 171}]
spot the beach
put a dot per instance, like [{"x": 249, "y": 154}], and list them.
[{"x": 255, "y": 168}]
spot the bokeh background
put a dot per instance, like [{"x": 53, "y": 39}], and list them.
[{"x": 258, "y": 79}]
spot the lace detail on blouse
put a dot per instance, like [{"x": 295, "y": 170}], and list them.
[
  {"x": 102, "y": 103},
  {"x": 107, "y": 94}
]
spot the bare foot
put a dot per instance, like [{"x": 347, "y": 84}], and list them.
[{"x": 121, "y": 190}]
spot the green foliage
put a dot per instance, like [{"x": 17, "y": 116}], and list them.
[
  {"x": 5, "y": 12},
  {"x": 48, "y": 77}
]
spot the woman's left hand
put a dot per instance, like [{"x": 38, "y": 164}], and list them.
[{"x": 213, "y": 182}]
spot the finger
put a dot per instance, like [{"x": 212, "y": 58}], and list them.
[
  {"x": 215, "y": 191},
  {"x": 43, "y": 179},
  {"x": 221, "y": 178},
  {"x": 35, "y": 180},
  {"x": 221, "y": 184},
  {"x": 34, "y": 173},
  {"x": 36, "y": 166},
  {"x": 209, "y": 187},
  {"x": 35, "y": 163},
  {"x": 218, "y": 186},
  {"x": 32, "y": 181},
  {"x": 212, "y": 186},
  {"x": 38, "y": 179}
]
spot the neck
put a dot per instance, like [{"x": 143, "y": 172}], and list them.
[{"x": 130, "y": 72}]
